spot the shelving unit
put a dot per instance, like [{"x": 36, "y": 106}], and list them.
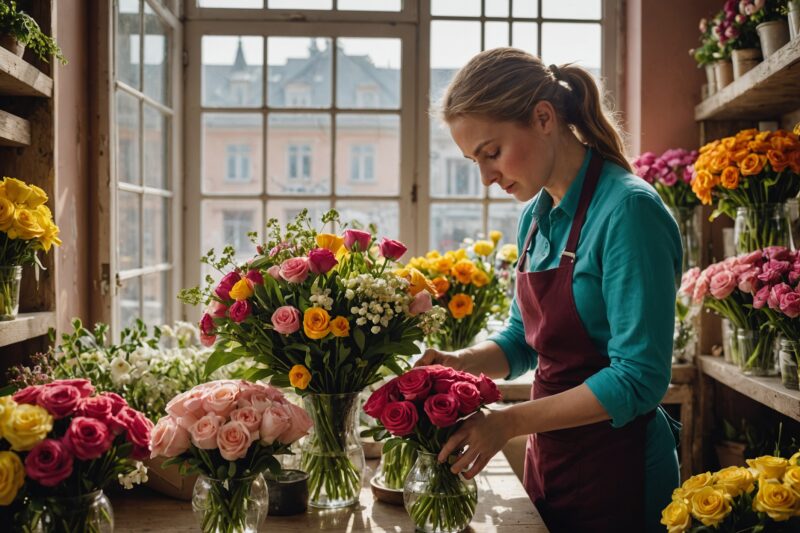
[
  {"x": 20, "y": 78},
  {"x": 26, "y": 326},
  {"x": 14, "y": 131}
]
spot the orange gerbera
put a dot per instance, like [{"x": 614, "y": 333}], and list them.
[
  {"x": 442, "y": 285},
  {"x": 752, "y": 164},
  {"x": 480, "y": 278},
  {"x": 462, "y": 271},
  {"x": 461, "y": 305},
  {"x": 730, "y": 178}
]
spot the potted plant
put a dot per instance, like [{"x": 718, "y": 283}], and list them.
[
  {"x": 704, "y": 54},
  {"x": 723, "y": 31},
  {"x": 770, "y": 22},
  {"x": 745, "y": 45},
  {"x": 793, "y": 14},
  {"x": 18, "y": 30}
]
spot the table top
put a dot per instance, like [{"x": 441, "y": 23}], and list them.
[{"x": 503, "y": 506}]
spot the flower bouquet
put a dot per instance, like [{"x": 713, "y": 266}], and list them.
[
  {"x": 26, "y": 227},
  {"x": 229, "y": 432},
  {"x": 763, "y": 497},
  {"x": 72, "y": 443},
  {"x": 423, "y": 408},
  {"x": 323, "y": 313}
]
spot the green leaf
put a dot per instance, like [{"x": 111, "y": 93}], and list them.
[
  {"x": 392, "y": 365},
  {"x": 298, "y": 347},
  {"x": 255, "y": 374},
  {"x": 279, "y": 380},
  {"x": 220, "y": 358},
  {"x": 358, "y": 336},
  {"x": 231, "y": 469}
]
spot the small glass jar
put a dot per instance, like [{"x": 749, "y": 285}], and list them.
[
  {"x": 756, "y": 350},
  {"x": 789, "y": 357},
  {"x": 729, "y": 347},
  {"x": 236, "y": 505},
  {"x": 759, "y": 226},
  {"x": 690, "y": 235},
  {"x": 91, "y": 512},
  {"x": 10, "y": 277}
]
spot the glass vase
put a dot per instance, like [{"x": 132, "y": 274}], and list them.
[
  {"x": 10, "y": 277},
  {"x": 690, "y": 235},
  {"x": 90, "y": 513},
  {"x": 756, "y": 350},
  {"x": 437, "y": 500},
  {"x": 236, "y": 505},
  {"x": 759, "y": 226},
  {"x": 332, "y": 454},
  {"x": 730, "y": 350},
  {"x": 789, "y": 357},
  {"x": 395, "y": 465}
]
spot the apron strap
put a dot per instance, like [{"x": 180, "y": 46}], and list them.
[{"x": 587, "y": 192}]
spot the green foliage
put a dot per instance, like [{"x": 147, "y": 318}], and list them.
[{"x": 27, "y": 31}]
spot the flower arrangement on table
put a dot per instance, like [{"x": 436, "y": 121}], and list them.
[
  {"x": 763, "y": 497},
  {"x": 229, "y": 432},
  {"x": 468, "y": 284},
  {"x": 63, "y": 444},
  {"x": 423, "y": 408},
  {"x": 26, "y": 227},
  {"x": 323, "y": 313}
]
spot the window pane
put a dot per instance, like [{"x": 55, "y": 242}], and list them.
[
  {"x": 495, "y": 35},
  {"x": 127, "y": 138},
  {"x": 128, "y": 223},
  {"x": 286, "y": 210},
  {"x": 451, "y": 223},
  {"x": 367, "y": 155},
  {"x": 524, "y": 36},
  {"x": 155, "y": 148},
  {"x": 368, "y": 73},
  {"x": 156, "y": 57},
  {"x": 232, "y": 71},
  {"x": 228, "y": 222},
  {"x": 460, "y": 8},
  {"x": 525, "y": 8},
  {"x": 563, "y": 43},
  {"x": 155, "y": 295},
  {"x": 504, "y": 217},
  {"x": 129, "y": 301},
  {"x": 231, "y": 153},
  {"x": 300, "y": 4},
  {"x": 296, "y": 141},
  {"x": 155, "y": 224},
  {"x": 369, "y": 5},
  {"x": 299, "y": 70},
  {"x": 446, "y": 59},
  {"x": 572, "y": 9},
  {"x": 128, "y": 40},
  {"x": 385, "y": 215},
  {"x": 451, "y": 174},
  {"x": 496, "y": 8},
  {"x": 232, "y": 4}
]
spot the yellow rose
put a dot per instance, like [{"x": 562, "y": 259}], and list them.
[
  {"x": 17, "y": 191},
  {"x": 299, "y": 377},
  {"x": 26, "y": 427},
  {"x": 462, "y": 271},
  {"x": 746, "y": 135},
  {"x": 508, "y": 253},
  {"x": 730, "y": 177},
  {"x": 7, "y": 210},
  {"x": 443, "y": 264},
  {"x": 483, "y": 248},
  {"x": 419, "y": 263},
  {"x": 340, "y": 327},
  {"x": 791, "y": 478},
  {"x": 676, "y": 517},
  {"x": 50, "y": 237},
  {"x": 480, "y": 278},
  {"x": 460, "y": 305},
  {"x": 710, "y": 505},
  {"x": 36, "y": 198},
  {"x": 729, "y": 143},
  {"x": 7, "y": 406},
  {"x": 720, "y": 161},
  {"x": 441, "y": 285},
  {"x": 695, "y": 483},
  {"x": 316, "y": 322},
  {"x": 777, "y": 500},
  {"x": 734, "y": 480},
  {"x": 12, "y": 477},
  {"x": 329, "y": 241},
  {"x": 242, "y": 290},
  {"x": 460, "y": 254},
  {"x": 496, "y": 236},
  {"x": 768, "y": 466},
  {"x": 795, "y": 459},
  {"x": 433, "y": 254},
  {"x": 25, "y": 226}
]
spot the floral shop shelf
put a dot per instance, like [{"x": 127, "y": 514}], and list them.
[
  {"x": 769, "y": 90},
  {"x": 503, "y": 507},
  {"x": 14, "y": 131},
  {"x": 26, "y": 326},
  {"x": 20, "y": 78},
  {"x": 765, "y": 390}
]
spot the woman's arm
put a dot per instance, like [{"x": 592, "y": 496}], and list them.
[{"x": 485, "y": 357}]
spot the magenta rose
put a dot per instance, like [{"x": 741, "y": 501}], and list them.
[
  {"x": 29, "y": 394},
  {"x": 49, "y": 463},
  {"x": 59, "y": 400},
  {"x": 207, "y": 324},
  {"x": 776, "y": 294},
  {"x": 295, "y": 270},
  {"x": 286, "y": 320},
  {"x": 356, "y": 238},
  {"x": 380, "y": 398},
  {"x": 468, "y": 395},
  {"x": 488, "y": 389},
  {"x": 233, "y": 440},
  {"x": 421, "y": 304},
  {"x": 790, "y": 304},
  {"x": 203, "y": 433},
  {"x": 255, "y": 276},
  {"x": 400, "y": 418},
  {"x": 773, "y": 271},
  {"x": 777, "y": 253},
  {"x": 321, "y": 260},
  {"x": 415, "y": 384},
  {"x": 760, "y": 297},
  {"x": 83, "y": 385},
  {"x": 168, "y": 438},
  {"x": 99, "y": 407},
  {"x": 442, "y": 409},
  {"x": 225, "y": 285},
  {"x": 274, "y": 271},
  {"x": 299, "y": 424},
  {"x": 88, "y": 438},
  {"x": 722, "y": 284},
  {"x": 240, "y": 310},
  {"x": 139, "y": 429},
  {"x": 391, "y": 249}
]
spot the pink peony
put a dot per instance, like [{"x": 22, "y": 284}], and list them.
[
  {"x": 790, "y": 304},
  {"x": 299, "y": 425},
  {"x": 29, "y": 394},
  {"x": 469, "y": 397},
  {"x": 415, "y": 384},
  {"x": 255, "y": 276},
  {"x": 59, "y": 400},
  {"x": 377, "y": 401},
  {"x": 220, "y": 398},
  {"x": 776, "y": 294},
  {"x": 226, "y": 284},
  {"x": 203, "y": 433},
  {"x": 400, "y": 418},
  {"x": 88, "y": 438},
  {"x": 233, "y": 440},
  {"x": 286, "y": 320},
  {"x": 274, "y": 421},
  {"x": 356, "y": 239},
  {"x": 321, "y": 260},
  {"x": 723, "y": 284},
  {"x": 421, "y": 304},
  {"x": 207, "y": 324},
  {"x": 240, "y": 310},
  {"x": 295, "y": 270},
  {"x": 49, "y": 463},
  {"x": 489, "y": 391},
  {"x": 391, "y": 249},
  {"x": 442, "y": 409},
  {"x": 168, "y": 439}
]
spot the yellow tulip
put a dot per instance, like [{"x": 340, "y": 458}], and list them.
[
  {"x": 299, "y": 377},
  {"x": 329, "y": 241}
]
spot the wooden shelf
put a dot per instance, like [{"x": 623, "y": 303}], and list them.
[
  {"x": 20, "y": 78},
  {"x": 767, "y": 391},
  {"x": 26, "y": 326},
  {"x": 769, "y": 90},
  {"x": 14, "y": 131}
]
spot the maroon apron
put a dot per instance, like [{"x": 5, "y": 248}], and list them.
[{"x": 588, "y": 478}]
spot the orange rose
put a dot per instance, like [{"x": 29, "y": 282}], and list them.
[
  {"x": 720, "y": 160},
  {"x": 709, "y": 147},
  {"x": 753, "y": 164},
  {"x": 703, "y": 180},
  {"x": 316, "y": 323},
  {"x": 461, "y": 305},
  {"x": 729, "y": 143},
  {"x": 746, "y": 135},
  {"x": 462, "y": 271},
  {"x": 760, "y": 147},
  {"x": 777, "y": 160},
  {"x": 739, "y": 155},
  {"x": 730, "y": 178},
  {"x": 442, "y": 285}
]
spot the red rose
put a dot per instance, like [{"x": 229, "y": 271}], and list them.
[
  {"x": 223, "y": 290},
  {"x": 139, "y": 428},
  {"x": 207, "y": 340},
  {"x": 207, "y": 324},
  {"x": 439, "y": 372},
  {"x": 378, "y": 399},
  {"x": 255, "y": 276},
  {"x": 83, "y": 385},
  {"x": 443, "y": 385},
  {"x": 469, "y": 398},
  {"x": 88, "y": 438},
  {"x": 357, "y": 239},
  {"x": 240, "y": 310},
  {"x": 489, "y": 391},
  {"x": 415, "y": 384},
  {"x": 29, "y": 394},
  {"x": 118, "y": 401},
  {"x": 400, "y": 418},
  {"x": 98, "y": 407},
  {"x": 442, "y": 409},
  {"x": 391, "y": 249},
  {"x": 49, "y": 463},
  {"x": 59, "y": 400},
  {"x": 321, "y": 260}
]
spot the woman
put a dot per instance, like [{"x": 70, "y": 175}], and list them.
[{"x": 594, "y": 306}]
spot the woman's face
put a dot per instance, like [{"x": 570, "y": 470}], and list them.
[{"x": 518, "y": 158}]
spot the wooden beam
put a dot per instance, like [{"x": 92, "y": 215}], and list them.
[
  {"x": 26, "y": 326},
  {"x": 20, "y": 78},
  {"x": 14, "y": 131}
]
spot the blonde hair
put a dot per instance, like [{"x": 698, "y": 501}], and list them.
[{"x": 506, "y": 83}]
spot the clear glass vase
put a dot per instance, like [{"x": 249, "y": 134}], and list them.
[
  {"x": 690, "y": 235},
  {"x": 730, "y": 350},
  {"x": 759, "y": 226},
  {"x": 756, "y": 350},
  {"x": 789, "y": 358},
  {"x": 396, "y": 463},
  {"x": 332, "y": 454},
  {"x": 90, "y": 513},
  {"x": 236, "y": 505},
  {"x": 437, "y": 500},
  {"x": 10, "y": 277}
]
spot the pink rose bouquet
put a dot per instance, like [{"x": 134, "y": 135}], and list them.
[
  {"x": 671, "y": 174},
  {"x": 228, "y": 432}
]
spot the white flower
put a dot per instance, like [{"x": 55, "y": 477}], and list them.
[
  {"x": 120, "y": 369},
  {"x": 375, "y": 329},
  {"x": 135, "y": 477}
]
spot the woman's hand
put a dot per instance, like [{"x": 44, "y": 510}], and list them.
[
  {"x": 436, "y": 357},
  {"x": 483, "y": 434}
]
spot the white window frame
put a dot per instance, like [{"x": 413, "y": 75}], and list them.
[
  {"x": 243, "y": 234},
  {"x": 297, "y": 153},
  {"x": 359, "y": 153},
  {"x": 240, "y": 154}
]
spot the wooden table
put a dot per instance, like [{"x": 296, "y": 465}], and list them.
[{"x": 503, "y": 506}]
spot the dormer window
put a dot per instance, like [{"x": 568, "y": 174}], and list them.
[{"x": 298, "y": 95}]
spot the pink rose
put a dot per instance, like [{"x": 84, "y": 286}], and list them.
[
  {"x": 468, "y": 395},
  {"x": 88, "y": 438},
  {"x": 274, "y": 271},
  {"x": 753, "y": 258},
  {"x": 778, "y": 253},
  {"x": 207, "y": 324},
  {"x": 761, "y": 296},
  {"x": 240, "y": 310},
  {"x": 139, "y": 429},
  {"x": 356, "y": 237},
  {"x": 203, "y": 433},
  {"x": 688, "y": 281},
  {"x": 391, "y": 249},
  {"x": 168, "y": 439},
  {"x": 255, "y": 276},
  {"x": 216, "y": 309},
  {"x": 258, "y": 396},
  {"x": 221, "y": 398},
  {"x": 207, "y": 340},
  {"x": 286, "y": 320},
  {"x": 187, "y": 407},
  {"x": 776, "y": 294},
  {"x": 83, "y": 385},
  {"x": 99, "y": 407},
  {"x": 489, "y": 391},
  {"x": 118, "y": 401},
  {"x": 722, "y": 284},
  {"x": 442, "y": 409},
  {"x": 299, "y": 425},
  {"x": 773, "y": 271},
  {"x": 400, "y": 418},
  {"x": 790, "y": 304},
  {"x": 29, "y": 394},
  {"x": 415, "y": 384},
  {"x": 321, "y": 260},
  {"x": 295, "y": 270},
  {"x": 274, "y": 422},
  {"x": 233, "y": 440},
  {"x": 377, "y": 401},
  {"x": 701, "y": 286},
  {"x": 49, "y": 463},
  {"x": 748, "y": 281},
  {"x": 248, "y": 416},
  {"x": 59, "y": 400},
  {"x": 225, "y": 285},
  {"x": 421, "y": 304}
]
